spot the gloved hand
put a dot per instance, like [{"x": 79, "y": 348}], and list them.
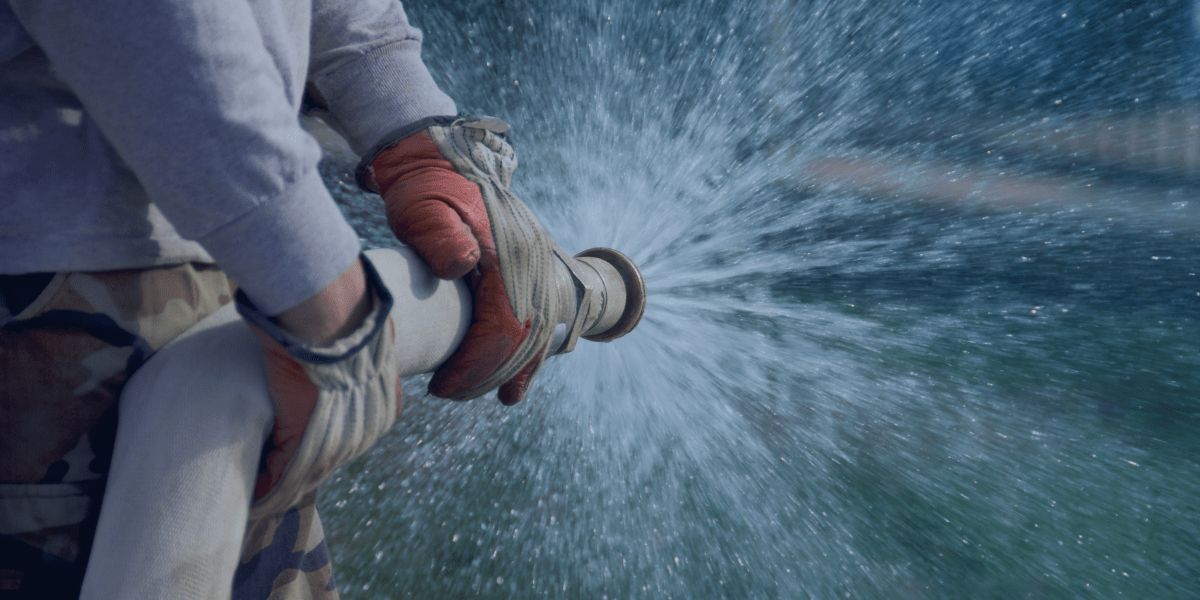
[
  {"x": 446, "y": 193},
  {"x": 332, "y": 401}
]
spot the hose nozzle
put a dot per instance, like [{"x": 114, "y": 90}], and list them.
[{"x": 602, "y": 295}]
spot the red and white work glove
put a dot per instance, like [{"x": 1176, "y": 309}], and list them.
[
  {"x": 331, "y": 402},
  {"x": 433, "y": 208}
]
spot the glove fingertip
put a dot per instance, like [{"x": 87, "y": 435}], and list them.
[
  {"x": 514, "y": 389},
  {"x": 456, "y": 267},
  {"x": 510, "y": 394},
  {"x": 451, "y": 252}
]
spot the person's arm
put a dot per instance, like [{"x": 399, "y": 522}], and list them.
[
  {"x": 366, "y": 66},
  {"x": 204, "y": 111},
  {"x": 334, "y": 312}
]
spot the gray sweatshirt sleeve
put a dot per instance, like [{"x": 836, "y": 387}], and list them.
[
  {"x": 366, "y": 62},
  {"x": 201, "y": 99}
]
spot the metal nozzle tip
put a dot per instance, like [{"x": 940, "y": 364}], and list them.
[{"x": 635, "y": 293}]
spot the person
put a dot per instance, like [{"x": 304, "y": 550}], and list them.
[{"x": 155, "y": 172}]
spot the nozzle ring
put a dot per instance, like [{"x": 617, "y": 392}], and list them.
[{"x": 635, "y": 293}]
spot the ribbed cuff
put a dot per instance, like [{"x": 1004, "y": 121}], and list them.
[
  {"x": 383, "y": 91},
  {"x": 288, "y": 249}
]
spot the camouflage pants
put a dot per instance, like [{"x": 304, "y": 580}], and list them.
[{"x": 68, "y": 344}]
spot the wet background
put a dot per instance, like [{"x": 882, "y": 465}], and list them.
[{"x": 922, "y": 318}]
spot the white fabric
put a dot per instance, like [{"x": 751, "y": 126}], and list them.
[
  {"x": 25, "y": 507},
  {"x": 431, "y": 314},
  {"x": 192, "y": 425}
]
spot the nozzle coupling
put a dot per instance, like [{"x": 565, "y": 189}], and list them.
[{"x": 602, "y": 296}]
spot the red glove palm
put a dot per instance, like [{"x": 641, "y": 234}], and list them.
[
  {"x": 442, "y": 216},
  {"x": 295, "y": 398}
]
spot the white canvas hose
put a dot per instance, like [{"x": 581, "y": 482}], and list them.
[{"x": 194, "y": 418}]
